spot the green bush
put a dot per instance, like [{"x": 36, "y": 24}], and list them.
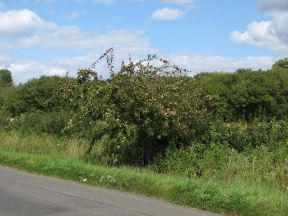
[
  {"x": 6, "y": 82},
  {"x": 5, "y": 79},
  {"x": 281, "y": 64},
  {"x": 246, "y": 94},
  {"x": 5, "y": 119},
  {"x": 243, "y": 135},
  {"x": 39, "y": 122},
  {"x": 43, "y": 94},
  {"x": 145, "y": 108},
  {"x": 117, "y": 150}
]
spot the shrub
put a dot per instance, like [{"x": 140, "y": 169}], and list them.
[
  {"x": 152, "y": 106},
  {"x": 282, "y": 63},
  {"x": 5, "y": 119},
  {"x": 242, "y": 135},
  {"x": 43, "y": 94},
  {"x": 246, "y": 94},
  {"x": 39, "y": 122},
  {"x": 5, "y": 79}
]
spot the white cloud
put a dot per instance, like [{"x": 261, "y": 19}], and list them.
[
  {"x": 25, "y": 70},
  {"x": 71, "y": 38},
  {"x": 168, "y": 13},
  {"x": 270, "y": 34},
  {"x": 29, "y": 30},
  {"x": 261, "y": 34},
  {"x": 204, "y": 63},
  {"x": 179, "y": 1},
  {"x": 17, "y": 23},
  {"x": 5, "y": 61},
  {"x": 72, "y": 15},
  {"x": 33, "y": 31}
]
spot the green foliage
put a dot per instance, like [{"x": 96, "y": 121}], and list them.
[
  {"x": 40, "y": 122},
  {"x": 281, "y": 64},
  {"x": 258, "y": 165},
  {"x": 5, "y": 83},
  {"x": 242, "y": 135},
  {"x": 246, "y": 94},
  {"x": 5, "y": 79},
  {"x": 42, "y": 144},
  {"x": 43, "y": 94},
  {"x": 5, "y": 118},
  {"x": 146, "y": 108}
]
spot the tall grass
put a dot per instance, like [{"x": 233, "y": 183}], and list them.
[
  {"x": 232, "y": 191},
  {"x": 260, "y": 165},
  {"x": 43, "y": 144}
]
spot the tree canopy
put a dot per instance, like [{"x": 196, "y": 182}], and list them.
[
  {"x": 5, "y": 78},
  {"x": 281, "y": 64}
]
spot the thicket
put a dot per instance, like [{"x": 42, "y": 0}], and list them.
[
  {"x": 222, "y": 125},
  {"x": 246, "y": 94}
]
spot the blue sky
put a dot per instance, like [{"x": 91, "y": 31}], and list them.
[{"x": 47, "y": 37}]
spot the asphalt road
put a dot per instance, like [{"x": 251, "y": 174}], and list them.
[{"x": 23, "y": 194}]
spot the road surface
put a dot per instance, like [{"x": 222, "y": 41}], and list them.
[{"x": 23, "y": 194}]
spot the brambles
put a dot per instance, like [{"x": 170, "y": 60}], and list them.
[{"x": 147, "y": 108}]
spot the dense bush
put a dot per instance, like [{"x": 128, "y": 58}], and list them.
[
  {"x": 5, "y": 78},
  {"x": 241, "y": 135},
  {"x": 43, "y": 94},
  {"x": 246, "y": 94},
  {"x": 6, "y": 82},
  {"x": 146, "y": 109},
  {"x": 40, "y": 122},
  {"x": 281, "y": 64},
  {"x": 5, "y": 118}
]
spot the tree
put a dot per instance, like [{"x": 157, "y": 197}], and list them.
[
  {"x": 43, "y": 94},
  {"x": 5, "y": 83},
  {"x": 5, "y": 78},
  {"x": 281, "y": 64}
]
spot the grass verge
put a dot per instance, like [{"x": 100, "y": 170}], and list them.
[{"x": 235, "y": 198}]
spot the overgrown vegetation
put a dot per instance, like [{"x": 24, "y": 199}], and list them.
[{"x": 222, "y": 127}]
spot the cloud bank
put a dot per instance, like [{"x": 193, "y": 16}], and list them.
[{"x": 270, "y": 34}]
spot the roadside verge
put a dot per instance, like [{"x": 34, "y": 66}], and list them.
[{"x": 234, "y": 198}]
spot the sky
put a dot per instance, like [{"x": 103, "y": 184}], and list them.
[{"x": 53, "y": 37}]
